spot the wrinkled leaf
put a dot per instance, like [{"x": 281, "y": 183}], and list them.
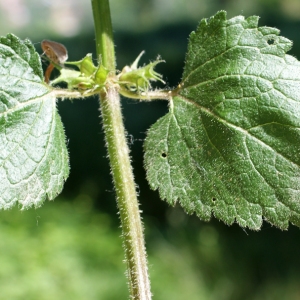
[
  {"x": 33, "y": 154},
  {"x": 230, "y": 144}
]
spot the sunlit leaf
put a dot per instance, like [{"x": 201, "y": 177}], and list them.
[
  {"x": 230, "y": 144},
  {"x": 33, "y": 154}
]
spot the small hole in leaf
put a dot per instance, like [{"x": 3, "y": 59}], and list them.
[
  {"x": 214, "y": 199},
  {"x": 271, "y": 42},
  {"x": 164, "y": 155}
]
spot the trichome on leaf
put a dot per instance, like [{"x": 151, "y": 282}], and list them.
[
  {"x": 33, "y": 153},
  {"x": 233, "y": 130}
]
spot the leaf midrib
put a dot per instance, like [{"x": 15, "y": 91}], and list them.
[
  {"x": 31, "y": 101},
  {"x": 28, "y": 132},
  {"x": 237, "y": 128}
]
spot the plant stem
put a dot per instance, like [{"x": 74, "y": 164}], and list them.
[
  {"x": 104, "y": 33},
  {"x": 118, "y": 151}
]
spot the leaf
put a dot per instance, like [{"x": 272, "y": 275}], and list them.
[
  {"x": 33, "y": 154},
  {"x": 229, "y": 145}
]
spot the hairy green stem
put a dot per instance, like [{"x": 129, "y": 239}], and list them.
[
  {"x": 104, "y": 33},
  {"x": 118, "y": 151}
]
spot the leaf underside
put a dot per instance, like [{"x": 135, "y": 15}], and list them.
[
  {"x": 33, "y": 155},
  {"x": 229, "y": 145}
]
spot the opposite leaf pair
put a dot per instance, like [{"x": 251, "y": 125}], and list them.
[{"x": 229, "y": 145}]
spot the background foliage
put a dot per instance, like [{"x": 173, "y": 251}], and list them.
[{"x": 71, "y": 248}]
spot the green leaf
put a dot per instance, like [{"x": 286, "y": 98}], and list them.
[
  {"x": 33, "y": 154},
  {"x": 229, "y": 145}
]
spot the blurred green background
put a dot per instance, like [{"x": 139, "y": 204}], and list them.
[{"x": 71, "y": 248}]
